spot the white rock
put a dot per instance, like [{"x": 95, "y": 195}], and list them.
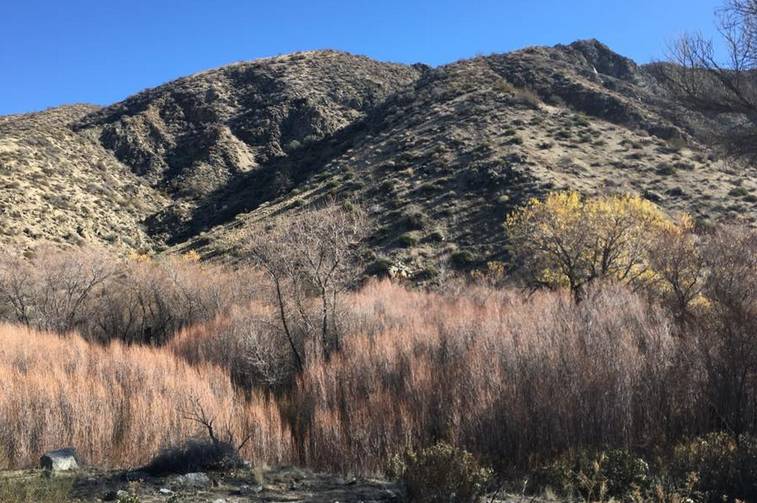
[
  {"x": 59, "y": 460},
  {"x": 193, "y": 480}
]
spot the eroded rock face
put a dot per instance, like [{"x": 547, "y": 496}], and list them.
[{"x": 60, "y": 460}]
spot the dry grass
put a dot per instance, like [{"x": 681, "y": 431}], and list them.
[{"x": 117, "y": 405}]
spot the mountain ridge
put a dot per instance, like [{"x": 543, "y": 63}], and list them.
[{"x": 450, "y": 149}]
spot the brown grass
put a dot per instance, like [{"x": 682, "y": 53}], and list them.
[{"x": 117, "y": 405}]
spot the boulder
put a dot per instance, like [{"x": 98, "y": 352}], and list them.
[
  {"x": 193, "y": 480},
  {"x": 60, "y": 460}
]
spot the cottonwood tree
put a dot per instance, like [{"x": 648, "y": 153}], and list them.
[
  {"x": 568, "y": 241},
  {"x": 309, "y": 257},
  {"x": 721, "y": 86}
]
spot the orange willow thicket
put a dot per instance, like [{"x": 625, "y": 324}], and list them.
[
  {"x": 510, "y": 379},
  {"x": 117, "y": 405},
  {"x": 513, "y": 379}
]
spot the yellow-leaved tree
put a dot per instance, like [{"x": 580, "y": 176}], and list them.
[{"x": 569, "y": 241}]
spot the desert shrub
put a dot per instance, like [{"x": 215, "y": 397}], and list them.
[
  {"x": 437, "y": 236},
  {"x": 407, "y": 240},
  {"x": 723, "y": 466},
  {"x": 526, "y": 97},
  {"x": 35, "y": 489},
  {"x": 665, "y": 170},
  {"x": 463, "y": 258},
  {"x": 738, "y": 192},
  {"x": 441, "y": 473},
  {"x": 427, "y": 274},
  {"x": 614, "y": 473},
  {"x": 624, "y": 471},
  {"x": 195, "y": 455},
  {"x": 379, "y": 267}
]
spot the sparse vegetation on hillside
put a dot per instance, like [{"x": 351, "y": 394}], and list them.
[{"x": 195, "y": 163}]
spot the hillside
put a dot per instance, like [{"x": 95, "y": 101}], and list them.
[{"x": 438, "y": 156}]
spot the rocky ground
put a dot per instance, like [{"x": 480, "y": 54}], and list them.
[
  {"x": 278, "y": 484},
  {"x": 283, "y": 484}
]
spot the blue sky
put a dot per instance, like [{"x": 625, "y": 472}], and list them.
[{"x": 54, "y": 52}]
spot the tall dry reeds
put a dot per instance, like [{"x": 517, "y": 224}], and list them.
[
  {"x": 116, "y": 404},
  {"x": 509, "y": 378}
]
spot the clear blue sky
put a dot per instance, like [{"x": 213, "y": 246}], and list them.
[{"x": 54, "y": 52}]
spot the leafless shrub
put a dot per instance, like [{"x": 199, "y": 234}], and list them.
[
  {"x": 726, "y": 331},
  {"x": 217, "y": 451},
  {"x": 247, "y": 341},
  {"x": 52, "y": 291}
]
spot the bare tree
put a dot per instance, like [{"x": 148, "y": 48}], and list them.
[
  {"x": 721, "y": 87},
  {"x": 309, "y": 257},
  {"x": 727, "y": 333},
  {"x": 52, "y": 291},
  {"x": 679, "y": 269}
]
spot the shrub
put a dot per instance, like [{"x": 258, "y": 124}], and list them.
[
  {"x": 436, "y": 236},
  {"x": 35, "y": 489},
  {"x": 463, "y": 258},
  {"x": 665, "y": 170},
  {"x": 380, "y": 267},
  {"x": 195, "y": 455},
  {"x": 441, "y": 473},
  {"x": 104, "y": 297},
  {"x": 738, "y": 192},
  {"x": 116, "y": 404},
  {"x": 407, "y": 240},
  {"x": 413, "y": 219},
  {"x": 624, "y": 471},
  {"x": 612, "y": 473},
  {"x": 723, "y": 467}
]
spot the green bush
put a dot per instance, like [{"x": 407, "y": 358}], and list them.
[
  {"x": 441, "y": 473},
  {"x": 624, "y": 471},
  {"x": 723, "y": 467},
  {"x": 463, "y": 258},
  {"x": 407, "y": 240},
  {"x": 380, "y": 267},
  {"x": 738, "y": 192},
  {"x": 613, "y": 473}
]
